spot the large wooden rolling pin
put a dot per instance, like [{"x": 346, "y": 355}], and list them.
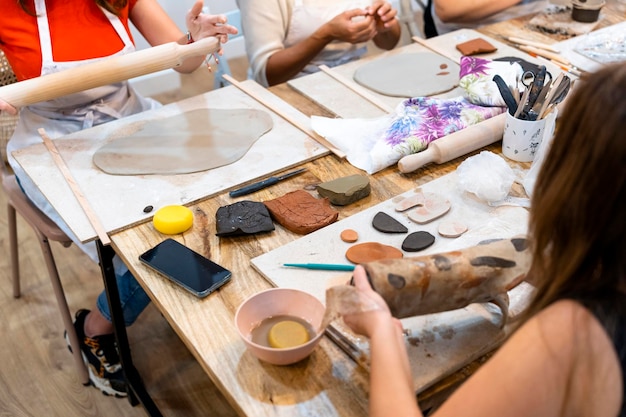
[
  {"x": 103, "y": 72},
  {"x": 456, "y": 144}
]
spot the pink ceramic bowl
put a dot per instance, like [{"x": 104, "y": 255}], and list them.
[{"x": 273, "y": 302}]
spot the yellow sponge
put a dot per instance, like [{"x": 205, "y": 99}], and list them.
[
  {"x": 171, "y": 220},
  {"x": 287, "y": 334}
]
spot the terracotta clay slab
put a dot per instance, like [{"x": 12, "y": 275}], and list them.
[
  {"x": 476, "y": 46},
  {"x": 372, "y": 251},
  {"x": 301, "y": 213}
]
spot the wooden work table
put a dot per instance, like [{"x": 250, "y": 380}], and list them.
[{"x": 327, "y": 383}]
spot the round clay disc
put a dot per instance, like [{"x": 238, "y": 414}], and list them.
[
  {"x": 371, "y": 251},
  {"x": 349, "y": 236},
  {"x": 451, "y": 229},
  {"x": 417, "y": 74},
  {"x": 418, "y": 241}
]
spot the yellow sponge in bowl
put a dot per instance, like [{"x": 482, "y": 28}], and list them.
[
  {"x": 171, "y": 220},
  {"x": 286, "y": 334}
]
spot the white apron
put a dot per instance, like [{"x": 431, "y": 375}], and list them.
[
  {"x": 65, "y": 115},
  {"x": 307, "y": 18}
]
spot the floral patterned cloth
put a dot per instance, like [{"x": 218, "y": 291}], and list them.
[
  {"x": 374, "y": 144},
  {"x": 476, "y": 79}
]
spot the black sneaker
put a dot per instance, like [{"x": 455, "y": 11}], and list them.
[{"x": 100, "y": 355}]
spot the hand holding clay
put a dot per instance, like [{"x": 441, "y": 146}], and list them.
[
  {"x": 354, "y": 26},
  {"x": 372, "y": 313},
  {"x": 384, "y": 15}
]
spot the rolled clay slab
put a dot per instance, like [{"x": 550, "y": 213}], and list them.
[
  {"x": 451, "y": 280},
  {"x": 193, "y": 141},
  {"x": 300, "y": 212},
  {"x": 409, "y": 75}
]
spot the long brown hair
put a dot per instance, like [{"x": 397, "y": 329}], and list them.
[
  {"x": 114, "y": 6},
  {"x": 578, "y": 205}
]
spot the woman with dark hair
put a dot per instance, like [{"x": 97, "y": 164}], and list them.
[
  {"x": 567, "y": 357},
  {"x": 40, "y": 37}
]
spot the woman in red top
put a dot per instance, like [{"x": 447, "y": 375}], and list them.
[{"x": 40, "y": 37}]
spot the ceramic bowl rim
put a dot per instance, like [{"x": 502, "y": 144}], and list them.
[{"x": 247, "y": 340}]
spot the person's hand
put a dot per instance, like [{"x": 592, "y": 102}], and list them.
[
  {"x": 353, "y": 26},
  {"x": 366, "y": 322},
  {"x": 201, "y": 25},
  {"x": 6, "y": 107},
  {"x": 384, "y": 15}
]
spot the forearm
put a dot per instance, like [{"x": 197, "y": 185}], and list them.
[
  {"x": 285, "y": 64},
  {"x": 453, "y": 11},
  {"x": 391, "y": 386}
]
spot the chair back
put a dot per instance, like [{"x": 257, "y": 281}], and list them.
[{"x": 7, "y": 121}]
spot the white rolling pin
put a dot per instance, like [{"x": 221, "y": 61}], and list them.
[
  {"x": 456, "y": 144},
  {"x": 103, "y": 72}
]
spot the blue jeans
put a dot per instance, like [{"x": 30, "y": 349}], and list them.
[{"x": 132, "y": 297}]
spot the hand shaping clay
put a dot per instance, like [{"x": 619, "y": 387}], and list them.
[
  {"x": 300, "y": 212},
  {"x": 345, "y": 190},
  {"x": 193, "y": 141},
  {"x": 418, "y": 74},
  {"x": 243, "y": 218}
]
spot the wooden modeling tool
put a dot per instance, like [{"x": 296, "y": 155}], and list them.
[
  {"x": 305, "y": 129},
  {"x": 546, "y": 54},
  {"x": 357, "y": 89},
  {"x": 527, "y": 42},
  {"x": 103, "y": 72},
  {"x": 456, "y": 144},
  {"x": 84, "y": 203}
]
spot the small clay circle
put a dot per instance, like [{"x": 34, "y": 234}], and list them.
[
  {"x": 371, "y": 251},
  {"x": 443, "y": 66},
  {"x": 451, "y": 229},
  {"x": 418, "y": 241},
  {"x": 349, "y": 236},
  {"x": 148, "y": 209}
]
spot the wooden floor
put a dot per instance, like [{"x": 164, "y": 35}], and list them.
[{"x": 37, "y": 375}]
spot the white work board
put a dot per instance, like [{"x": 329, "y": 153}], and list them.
[
  {"x": 119, "y": 200},
  {"x": 438, "y": 344},
  {"x": 613, "y": 36},
  {"x": 345, "y": 103}
]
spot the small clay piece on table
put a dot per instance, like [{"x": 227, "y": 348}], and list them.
[
  {"x": 418, "y": 241},
  {"x": 349, "y": 236},
  {"x": 451, "y": 228},
  {"x": 387, "y": 224},
  {"x": 372, "y": 251},
  {"x": 243, "y": 218},
  {"x": 345, "y": 190},
  {"x": 432, "y": 207},
  {"x": 300, "y": 212},
  {"x": 475, "y": 47}
]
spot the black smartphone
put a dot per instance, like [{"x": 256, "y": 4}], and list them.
[{"x": 187, "y": 268}]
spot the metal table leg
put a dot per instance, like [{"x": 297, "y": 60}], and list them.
[{"x": 137, "y": 392}]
